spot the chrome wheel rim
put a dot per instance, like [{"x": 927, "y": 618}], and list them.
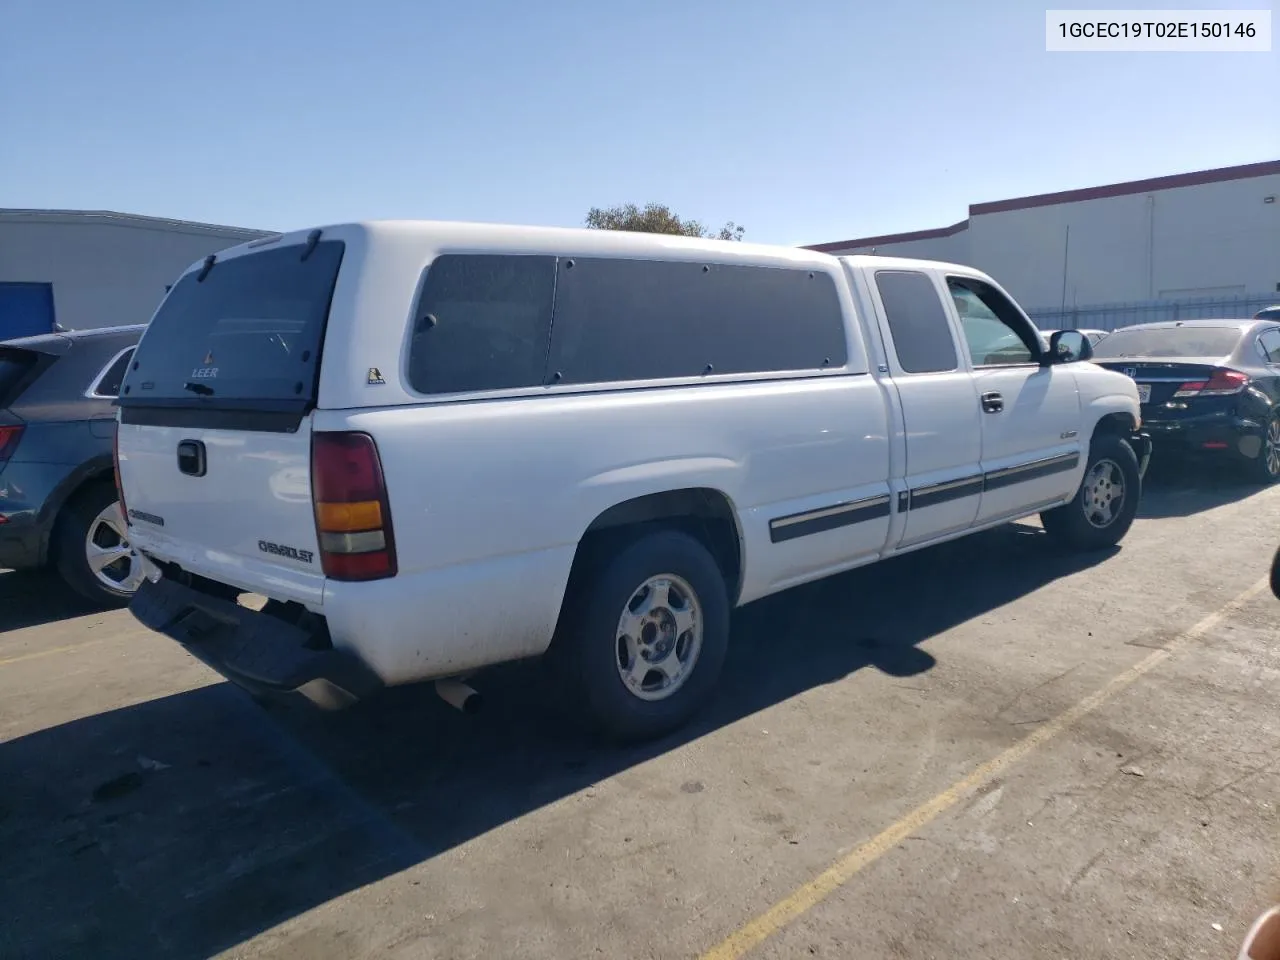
[
  {"x": 1103, "y": 493},
  {"x": 112, "y": 561},
  {"x": 659, "y": 637},
  {"x": 1271, "y": 449}
]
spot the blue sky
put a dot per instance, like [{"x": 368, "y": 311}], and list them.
[{"x": 804, "y": 121}]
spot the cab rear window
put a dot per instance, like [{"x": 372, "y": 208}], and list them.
[{"x": 249, "y": 331}]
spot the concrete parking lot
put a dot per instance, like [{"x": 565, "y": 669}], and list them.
[{"x": 983, "y": 750}]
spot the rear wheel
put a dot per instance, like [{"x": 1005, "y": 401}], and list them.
[
  {"x": 644, "y": 636},
  {"x": 1103, "y": 508},
  {"x": 92, "y": 551}
]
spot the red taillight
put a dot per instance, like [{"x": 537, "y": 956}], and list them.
[
  {"x": 353, "y": 518},
  {"x": 9, "y": 437},
  {"x": 1222, "y": 383},
  {"x": 115, "y": 469}
]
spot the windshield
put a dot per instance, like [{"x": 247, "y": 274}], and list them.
[
  {"x": 1169, "y": 342},
  {"x": 251, "y": 330}
]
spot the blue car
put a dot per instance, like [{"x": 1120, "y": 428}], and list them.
[{"x": 58, "y": 503}]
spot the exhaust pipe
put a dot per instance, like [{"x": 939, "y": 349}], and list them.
[{"x": 458, "y": 695}]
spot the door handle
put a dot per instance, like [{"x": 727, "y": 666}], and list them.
[
  {"x": 191, "y": 458},
  {"x": 992, "y": 402}
]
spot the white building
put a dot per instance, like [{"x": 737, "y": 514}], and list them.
[
  {"x": 1209, "y": 239},
  {"x": 83, "y": 269}
]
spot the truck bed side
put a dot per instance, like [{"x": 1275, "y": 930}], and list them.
[{"x": 491, "y": 500}]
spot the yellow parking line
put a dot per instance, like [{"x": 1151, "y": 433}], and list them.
[
  {"x": 5, "y": 661},
  {"x": 843, "y": 870}
]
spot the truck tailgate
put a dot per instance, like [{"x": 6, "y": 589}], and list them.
[{"x": 234, "y": 506}]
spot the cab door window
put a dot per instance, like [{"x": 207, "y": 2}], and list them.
[{"x": 995, "y": 332}]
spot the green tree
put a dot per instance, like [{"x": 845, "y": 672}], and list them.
[{"x": 656, "y": 218}]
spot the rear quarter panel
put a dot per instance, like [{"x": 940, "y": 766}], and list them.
[
  {"x": 31, "y": 495},
  {"x": 490, "y": 499}
]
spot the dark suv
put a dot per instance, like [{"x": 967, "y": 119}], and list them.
[{"x": 58, "y": 503}]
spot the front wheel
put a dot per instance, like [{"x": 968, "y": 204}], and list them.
[
  {"x": 645, "y": 636},
  {"x": 1103, "y": 508}
]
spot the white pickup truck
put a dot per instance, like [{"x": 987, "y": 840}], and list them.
[{"x": 435, "y": 447}]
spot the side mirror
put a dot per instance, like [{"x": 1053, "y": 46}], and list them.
[{"x": 1069, "y": 346}]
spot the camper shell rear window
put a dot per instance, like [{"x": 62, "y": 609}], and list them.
[{"x": 246, "y": 336}]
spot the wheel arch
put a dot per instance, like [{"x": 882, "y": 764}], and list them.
[
  {"x": 705, "y": 513},
  {"x": 97, "y": 469},
  {"x": 1116, "y": 423}
]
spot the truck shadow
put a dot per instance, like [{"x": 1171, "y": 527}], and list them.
[{"x": 185, "y": 825}]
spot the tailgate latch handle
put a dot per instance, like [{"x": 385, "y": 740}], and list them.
[{"x": 191, "y": 458}]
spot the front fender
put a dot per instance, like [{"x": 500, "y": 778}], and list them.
[
  {"x": 1125, "y": 411},
  {"x": 1110, "y": 404}
]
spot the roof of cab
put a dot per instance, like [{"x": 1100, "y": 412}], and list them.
[{"x": 874, "y": 261}]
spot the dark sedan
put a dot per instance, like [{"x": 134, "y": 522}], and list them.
[
  {"x": 58, "y": 503},
  {"x": 1208, "y": 388}
]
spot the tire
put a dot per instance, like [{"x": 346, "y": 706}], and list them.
[
  {"x": 1092, "y": 520},
  {"x": 611, "y": 602},
  {"x": 1264, "y": 469},
  {"x": 90, "y": 514}
]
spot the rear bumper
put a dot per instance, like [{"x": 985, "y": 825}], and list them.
[
  {"x": 1213, "y": 435},
  {"x": 256, "y": 651},
  {"x": 22, "y": 542}
]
